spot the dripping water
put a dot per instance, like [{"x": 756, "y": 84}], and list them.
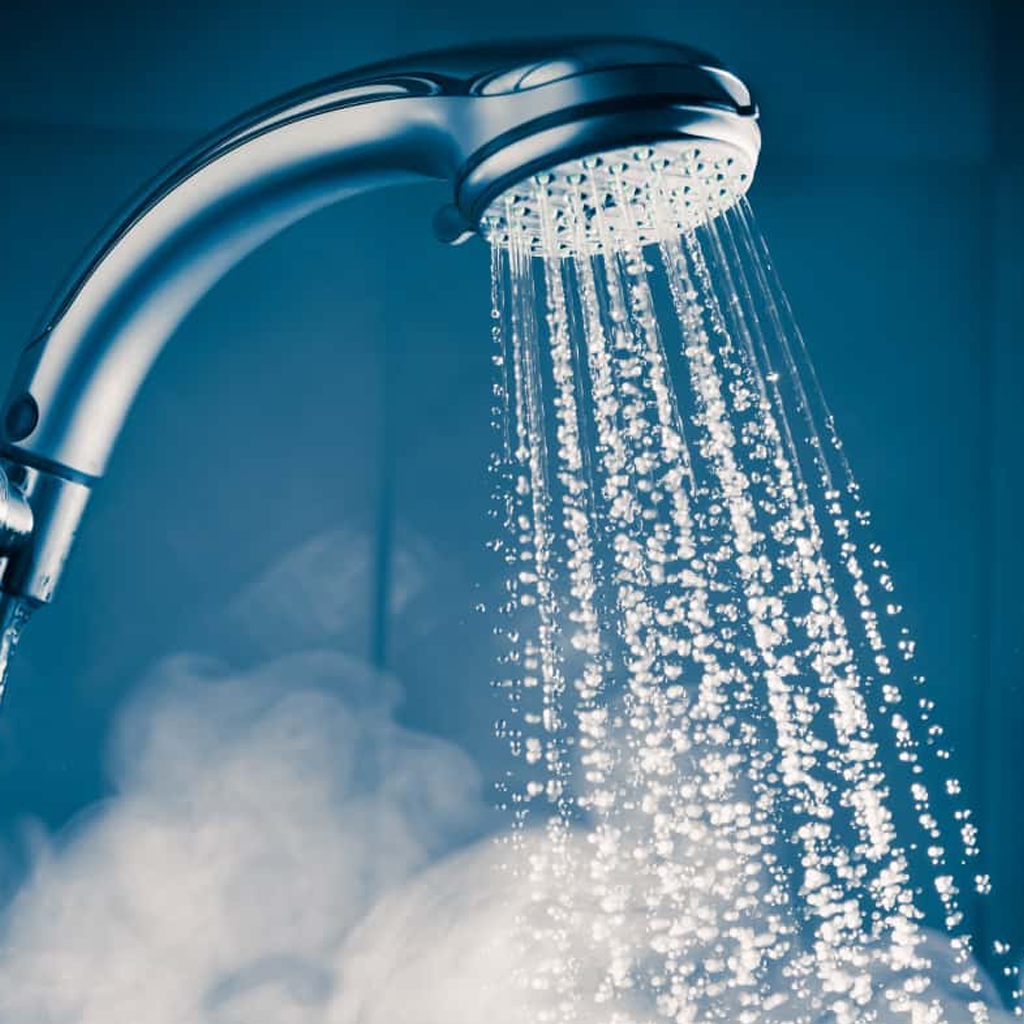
[
  {"x": 712, "y": 699},
  {"x": 13, "y": 617}
]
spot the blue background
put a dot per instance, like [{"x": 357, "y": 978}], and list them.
[{"x": 327, "y": 403}]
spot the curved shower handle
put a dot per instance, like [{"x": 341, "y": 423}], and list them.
[
  {"x": 76, "y": 381},
  {"x": 479, "y": 119}
]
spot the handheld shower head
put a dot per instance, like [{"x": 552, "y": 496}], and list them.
[
  {"x": 552, "y": 105},
  {"x": 484, "y": 120}
]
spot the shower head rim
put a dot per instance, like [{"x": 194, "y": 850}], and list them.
[
  {"x": 605, "y": 128},
  {"x": 601, "y": 109}
]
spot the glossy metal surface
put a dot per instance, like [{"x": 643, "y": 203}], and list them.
[
  {"x": 477, "y": 119},
  {"x": 37, "y": 563},
  {"x": 16, "y": 519}
]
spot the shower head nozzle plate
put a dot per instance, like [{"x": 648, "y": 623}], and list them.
[{"x": 621, "y": 200}]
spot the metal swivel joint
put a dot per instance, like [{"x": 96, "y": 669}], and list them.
[{"x": 16, "y": 518}]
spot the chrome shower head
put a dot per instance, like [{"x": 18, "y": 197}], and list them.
[
  {"x": 551, "y": 106},
  {"x": 484, "y": 120}
]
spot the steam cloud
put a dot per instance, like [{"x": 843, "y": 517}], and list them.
[
  {"x": 277, "y": 849},
  {"x": 255, "y": 820}
]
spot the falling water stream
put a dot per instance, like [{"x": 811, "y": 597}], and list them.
[
  {"x": 731, "y": 800},
  {"x": 13, "y": 617},
  {"x": 717, "y": 722}
]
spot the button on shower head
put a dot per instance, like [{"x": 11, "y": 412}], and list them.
[{"x": 568, "y": 123}]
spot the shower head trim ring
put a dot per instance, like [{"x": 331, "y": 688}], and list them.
[{"x": 593, "y": 131}]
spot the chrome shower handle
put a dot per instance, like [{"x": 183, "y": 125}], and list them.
[{"x": 76, "y": 381}]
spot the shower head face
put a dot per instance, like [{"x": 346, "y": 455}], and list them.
[
  {"x": 551, "y": 110},
  {"x": 618, "y": 201}
]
